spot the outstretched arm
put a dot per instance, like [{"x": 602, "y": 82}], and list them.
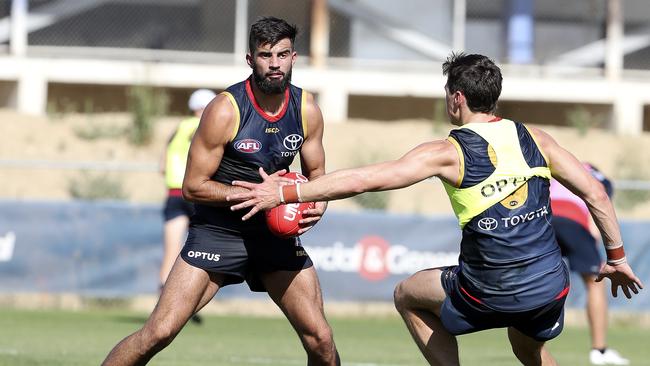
[
  {"x": 571, "y": 174},
  {"x": 437, "y": 158}
]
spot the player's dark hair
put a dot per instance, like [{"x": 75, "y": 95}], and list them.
[
  {"x": 477, "y": 77},
  {"x": 270, "y": 30}
]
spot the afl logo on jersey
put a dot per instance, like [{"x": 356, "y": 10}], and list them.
[
  {"x": 248, "y": 146},
  {"x": 292, "y": 142},
  {"x": 487, "y": 224}
]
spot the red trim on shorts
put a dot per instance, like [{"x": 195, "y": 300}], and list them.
[
  {"x": 562, "y": 294},
  {"x": 470, "y": 296},
  {"x": 175, "y": 192},
  {"x": 259, "y": 109},
  {"x": 495, "y": 119}
]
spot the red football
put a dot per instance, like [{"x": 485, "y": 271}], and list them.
[{"x": 283, "y": 221}]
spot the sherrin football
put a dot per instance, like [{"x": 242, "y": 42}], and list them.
[{"x": 283, "y": 221}]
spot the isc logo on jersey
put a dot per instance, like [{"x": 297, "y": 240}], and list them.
[{"x": 248, "y": 146}]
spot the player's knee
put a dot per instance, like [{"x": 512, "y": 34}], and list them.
[
  {"x": 528, "y": 353},
  {"x": 527, "y": 356},
  {"x": 159, "y": 336},
  {"x": 320, "y": 343},
  {"x": 400, "y": 297}
]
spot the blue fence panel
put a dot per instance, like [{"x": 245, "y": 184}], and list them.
[
  {"x": 114, "y": 249},
  {"x": 106, "y": 249}
]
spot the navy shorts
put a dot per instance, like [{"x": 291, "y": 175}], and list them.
[
  {"x": 462, "y": 314},
  {"x": 578, "y": 246},
  {"x": 176, "y": 206},
  {"x": 242, "y": 254}
]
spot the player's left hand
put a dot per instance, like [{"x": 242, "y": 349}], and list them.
[
  {"x": 260, "y": 197},
  {"x": 312, "y": 216},
  {"x": 623, "y": 276}
]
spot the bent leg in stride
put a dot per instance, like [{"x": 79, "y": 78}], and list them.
[
  {"x": 419, "y": 299},
  {"x": 298, "y": 295},
  {"x": 529, "y": 351},
  {"x": 187, "y": 290}
]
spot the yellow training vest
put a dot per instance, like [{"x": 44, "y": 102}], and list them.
[
  {"x": 511, "y": 171},
  {"x": 177, "y": 150}
]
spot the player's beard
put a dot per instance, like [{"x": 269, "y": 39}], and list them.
[{"x": 271, "y": 86}]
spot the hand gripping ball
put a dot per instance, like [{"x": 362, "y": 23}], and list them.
[{"x": 283, "y": 221}]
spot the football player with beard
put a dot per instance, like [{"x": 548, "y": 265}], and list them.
[{"x": 263, "y": 121}]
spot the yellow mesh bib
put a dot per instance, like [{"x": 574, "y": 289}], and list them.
[
  {"x": 177, "y": 151},
  {"x": 511, "y": 173}
]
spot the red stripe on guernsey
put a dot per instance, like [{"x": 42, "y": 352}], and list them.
[
  {"x": 570, "y": 210},
  {"x": 175, "y": 192},
  {"x": 563, "y": 293},
  {"x": 470, "y": 296},
  {"x": 259, "y": 109},
  {"x": 495, "y": 119}
]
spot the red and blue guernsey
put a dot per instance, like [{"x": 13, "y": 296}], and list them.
[
  {"x": 509, "y": 258},
  {"x": 259, "y": 139}
]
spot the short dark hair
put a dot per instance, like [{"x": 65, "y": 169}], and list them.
[
  {"x": 270, "y": 30},
  {"x": 477, "y": 77}
]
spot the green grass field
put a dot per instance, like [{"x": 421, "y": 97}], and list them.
[{"x": 29, "y": 338}]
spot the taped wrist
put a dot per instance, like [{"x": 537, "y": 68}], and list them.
[
  {"x": 281, "y": 194},
  {"x": 289, "y": 193},
  {"x": 615, "y": 254}
]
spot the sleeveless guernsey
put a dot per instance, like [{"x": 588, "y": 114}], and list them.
[
  {"x": 258, "y": 140},
  {"x": 509, "y": 258}
]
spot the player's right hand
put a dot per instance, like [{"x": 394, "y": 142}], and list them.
[{"x": 623, "y": 276}]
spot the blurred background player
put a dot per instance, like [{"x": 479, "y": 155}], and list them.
[
  {"x": 177, "y": 211},
  {"x": 578, "y": 241}
]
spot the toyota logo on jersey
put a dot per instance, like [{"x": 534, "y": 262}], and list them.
[
  {"x": 248, "y": 146},
  {"x": 292, "y": 142},
  {"x": 487, "y": 224}
]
